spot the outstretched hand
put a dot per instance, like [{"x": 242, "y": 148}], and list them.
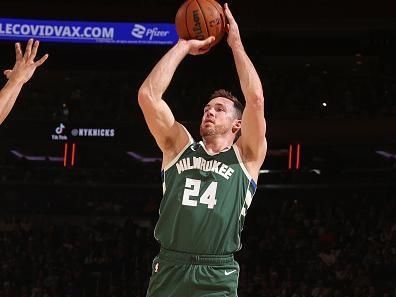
[
  {"x": 25, "y": 65},
  {"x": 199, "y": 47},
  {"x": 233, "y": 38}
]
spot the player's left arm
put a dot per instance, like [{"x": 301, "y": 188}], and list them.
[{"x": 252, "y": 143}]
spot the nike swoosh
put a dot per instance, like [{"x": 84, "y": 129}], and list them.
[{"x": 228, "y": 272}]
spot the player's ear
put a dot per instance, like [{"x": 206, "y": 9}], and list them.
[{"x": 236, "y": 126}]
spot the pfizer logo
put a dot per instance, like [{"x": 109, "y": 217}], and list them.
[
  {"x": 138, "y": 31},
  {"x": 74, "y": 132}
]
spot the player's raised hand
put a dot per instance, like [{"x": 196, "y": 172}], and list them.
[
  {"x": 25, "y": 65},
  {"x": 199, "y": 47},
  {"x": 233, "y": 38}
]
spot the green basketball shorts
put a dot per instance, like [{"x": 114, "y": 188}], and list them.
[{"x": 176, "y": 274}]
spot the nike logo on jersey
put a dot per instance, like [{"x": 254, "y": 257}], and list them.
[{"x": 229, "y": 272}]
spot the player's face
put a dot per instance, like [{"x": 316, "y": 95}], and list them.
[{"x": 218, "y": 117}]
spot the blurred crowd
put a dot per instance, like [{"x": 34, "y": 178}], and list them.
[{"x": 295, "y": 243}]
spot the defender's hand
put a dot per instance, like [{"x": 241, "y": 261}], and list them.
[{"x": 25, "y": 65}]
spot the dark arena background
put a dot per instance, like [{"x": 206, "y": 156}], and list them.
[{"x": 77, "y": 212}]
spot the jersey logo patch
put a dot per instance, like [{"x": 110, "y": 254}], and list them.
[{"x": 194, "y": 146}]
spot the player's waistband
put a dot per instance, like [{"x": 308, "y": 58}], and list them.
[{"x": 186, "y": 258}]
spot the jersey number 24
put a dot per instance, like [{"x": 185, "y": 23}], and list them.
[{"x": 192, "y": 189}]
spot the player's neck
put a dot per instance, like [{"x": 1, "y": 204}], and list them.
[{"x": 216, "y": 145}]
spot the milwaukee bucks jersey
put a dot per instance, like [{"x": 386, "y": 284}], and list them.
[{"x": 205, "y": 200}]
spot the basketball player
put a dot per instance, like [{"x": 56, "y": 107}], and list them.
[
  {"x": 207, "y": 185},
  {"x": 23, "y": 70}
]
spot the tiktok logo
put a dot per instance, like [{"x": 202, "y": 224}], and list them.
[
  {"x": 59, "y": 133},
  {"x": 59, "y": 130}
]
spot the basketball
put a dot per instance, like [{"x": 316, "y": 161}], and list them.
[{"x": 199, "y": 19}]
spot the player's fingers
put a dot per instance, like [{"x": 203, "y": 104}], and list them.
[
  {"x": 34, "y": 50},
  {"x": 28, "y": 49},
  {"x": 8, "y": 73},
  {"x": 41, "y": 61},
  {"x": 228, "y": 13},
  {"x": 203, "y": 51},
  {"x": 208, "y": 40},
  {"x": 18, "y": 51}
]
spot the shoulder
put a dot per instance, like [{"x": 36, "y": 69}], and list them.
[
  {"x": 174, "y": 152},
  {"x": 251, "y": 160}
]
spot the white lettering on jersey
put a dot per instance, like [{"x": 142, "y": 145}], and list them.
[{"x": 199, "y": 163}]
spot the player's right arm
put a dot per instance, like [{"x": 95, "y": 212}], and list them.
[{"x": 169, "y": 134}]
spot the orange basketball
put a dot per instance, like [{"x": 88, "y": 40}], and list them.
[{"x": 199, "y": 19}]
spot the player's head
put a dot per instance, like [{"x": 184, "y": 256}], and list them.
[{"x": 222, "y": 115}]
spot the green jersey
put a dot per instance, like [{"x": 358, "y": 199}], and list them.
[{"x": 205, "y": 200}]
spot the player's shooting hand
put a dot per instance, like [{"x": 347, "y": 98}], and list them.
[
  {"x": 199, "y": 47},
  {"x": 25, "y": 65},
  {"x": 233, "y": 38}
]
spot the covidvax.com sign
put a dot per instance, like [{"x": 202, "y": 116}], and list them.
[{"x": 88, "y": 32}]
